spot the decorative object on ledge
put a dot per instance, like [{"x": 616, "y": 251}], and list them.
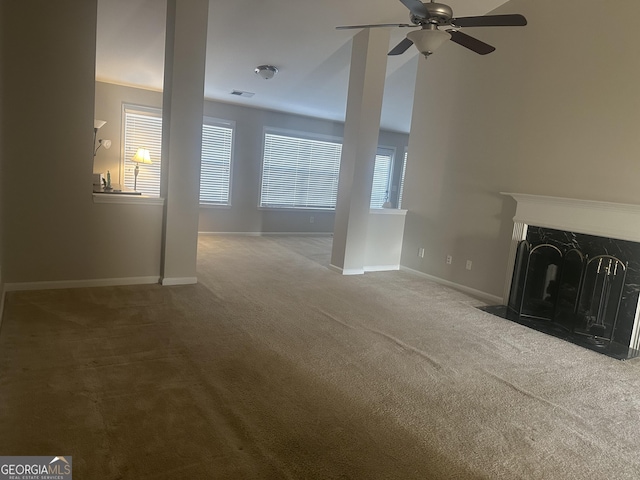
[
  {"x": 115, "y": 189},
  {"x": 141, "y": 156}
]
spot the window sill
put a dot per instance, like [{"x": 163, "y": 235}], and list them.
[
  {"x": 218, "y": 207},
  {"x": 297, "y": 209},
  {"x": 387, "y": 211},
  {"x": 127, "y": 199}
]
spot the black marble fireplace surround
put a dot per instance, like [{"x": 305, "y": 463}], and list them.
[{"x": 578, "y": 287}]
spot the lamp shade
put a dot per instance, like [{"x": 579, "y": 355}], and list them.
[
  {"x": 104, "y": 143},
  {"x": 142, "y": 156},
  {"x": 427, "y": 41},
  {"x": 97, "y": 124}
]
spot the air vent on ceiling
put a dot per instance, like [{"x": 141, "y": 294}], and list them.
[{"x": 240, "y": 93}]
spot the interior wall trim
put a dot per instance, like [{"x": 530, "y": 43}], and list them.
[
  {"x": 173, "y": 281},
  {"x": 347, "y": 271},
  {"x": 98, "y": 282},
  {"x": 381, "y": 268},
  {"x": 127, "y": 199},
  {"x": 491, "y": 299},
  {"x": 267, "y": 234}
]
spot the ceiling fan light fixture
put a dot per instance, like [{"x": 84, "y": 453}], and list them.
[
  {"x": 428, "y": 41},
  {"x": 266, "y": 71}
]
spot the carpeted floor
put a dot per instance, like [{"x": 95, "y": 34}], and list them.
[{"x": 274, "y": 367}]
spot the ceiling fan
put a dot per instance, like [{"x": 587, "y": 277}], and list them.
[{"x": 431, "y": 16}]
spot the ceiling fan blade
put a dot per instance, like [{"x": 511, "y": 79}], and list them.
[
  {"x": 377, "y": 25},
  {"x": 416, "y": 7},
  {"x": 402, "y": 47},
  {"x": 471, "y": 43},
  {"x": 512, "y": 20}
]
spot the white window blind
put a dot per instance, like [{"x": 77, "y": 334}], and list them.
[
  {"x": 215, "y": 172},
  {"x": 381, "y": 177},
  {"x": 404, "y": 169},
  {"x": 143, "y": 129},
  {"x": 299, "y": 172}
]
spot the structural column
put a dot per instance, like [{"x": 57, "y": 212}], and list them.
[
  {"x": 182, "y": 110},
  {"x": 362, "y": 125}
]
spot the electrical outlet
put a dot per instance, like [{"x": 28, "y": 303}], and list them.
[
  {"x": 449, "y": 259},
  {"x": 469, "y": 263},
  {"x": 421, "y": 252},
  {"x": 311, "y": 219}
]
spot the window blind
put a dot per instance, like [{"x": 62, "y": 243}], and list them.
[
  {"x": 381, "y": 178},
  {"x": 143, "y": 129},
  {"x": 404, "y": 169},
  {"x": 299, "y": 172},
  {"x": 215, "y": 171}
]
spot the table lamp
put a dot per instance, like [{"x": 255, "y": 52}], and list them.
[{"x": 141, "y": 156}]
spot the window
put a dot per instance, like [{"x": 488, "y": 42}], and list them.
[
  {"x": 299, "y": 172},
  {"x": 215, "y": 172},
  {"x": 404, "y": 169},
  {"x": 381, "y": 177},
  {"x": 143, "y": 128}
]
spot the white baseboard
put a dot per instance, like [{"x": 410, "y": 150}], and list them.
[
  {"x": 98, "y": 282},
  {"x": 269, "y": 234},
  {"x": 172, "y": 281},
  {"x": 240, "y": 234},
  {"x": 348, "y": 271},
  {"x": 361, "y": 271},
  {"x": 489, "y": 298},
  {"x": 381, "y": 268}
]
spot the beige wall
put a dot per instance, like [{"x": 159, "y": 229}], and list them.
[
  {"x": 553, "y": 112},
  {"x": 2, "y": 54},
  {"x": 52, "y": 230},
  {"x": 48, "y": 68},
  {"x": 243, "y": 215}
]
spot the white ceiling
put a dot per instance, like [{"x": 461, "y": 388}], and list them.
[{"x": 297, "y": 36}]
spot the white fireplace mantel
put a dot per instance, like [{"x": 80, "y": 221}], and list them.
[{"x": 604, "y": 219}]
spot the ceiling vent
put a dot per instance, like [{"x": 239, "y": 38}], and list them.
[{"x": 240, "y": 93}]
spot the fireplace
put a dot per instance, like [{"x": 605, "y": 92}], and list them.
[{"x": 574, "y": 272}]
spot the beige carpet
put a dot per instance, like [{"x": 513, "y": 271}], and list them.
[{"x": 274, "y": 367}]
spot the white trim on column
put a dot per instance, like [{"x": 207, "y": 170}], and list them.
[
  {"x": 172, "y": 281},
  {"x": 381, "y": 268},
  {"x": 348, "y": 271}
]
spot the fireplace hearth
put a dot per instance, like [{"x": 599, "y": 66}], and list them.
[
  {"x": 568, "y": 284},
  {"x": 574, "y": 272}
]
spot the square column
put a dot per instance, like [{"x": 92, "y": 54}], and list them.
[
  {"x": 182, "y": 110},
  {"x": 362, "y": 125}
]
